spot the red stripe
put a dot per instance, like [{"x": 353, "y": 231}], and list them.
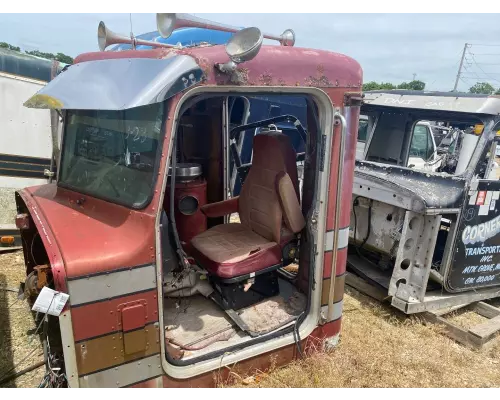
[
  {"x": 341, "y": 262},
  {"x": 327, "y": 330},
  {"x": 349, "y": 164},
  {"x": 347, "y": 174},
  {"x": 104, "y": 317}
]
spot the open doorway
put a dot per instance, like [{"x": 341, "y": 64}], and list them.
[{"x": 225, "y": 281}]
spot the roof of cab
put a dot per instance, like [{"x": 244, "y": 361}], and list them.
[
  {"x": 273, "y": 66},
  {"x": 437, "y": 101}
]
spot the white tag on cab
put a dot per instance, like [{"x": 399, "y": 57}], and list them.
[{"x": 50, "y": 300}]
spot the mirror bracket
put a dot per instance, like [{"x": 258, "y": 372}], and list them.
[{"x": 227, "y": 67}]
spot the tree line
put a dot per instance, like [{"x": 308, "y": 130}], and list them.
[
  {"x": 61, "y": 57},
  {"x": 413, "y": 85},
  {"x": 484, "y": 88},
  {"x": 478, "y": 88}
]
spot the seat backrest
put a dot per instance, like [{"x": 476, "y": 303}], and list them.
[{"x": 260, "y": 208}]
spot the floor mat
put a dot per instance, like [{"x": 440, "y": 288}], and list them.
[
  {"x": 195, "y": 323},
  {"x": 270, "y": 314}
]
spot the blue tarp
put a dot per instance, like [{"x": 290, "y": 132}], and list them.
[{"x": 184, "y": 36}]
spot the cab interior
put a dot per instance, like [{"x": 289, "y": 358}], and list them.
[{"x": 236, "y": 250}]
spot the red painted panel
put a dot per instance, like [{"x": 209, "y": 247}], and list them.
[
  {"x": 97, "y": 319},
  {"x": 347, "y": 173},
  {"x": 328, "y": 330},
  {"x": 134, "y": 317},
  {"x": 341, "y": 263},
  {"x": 96, "y": 236},
  {"x": 188, "y": 225},
  {"x": 352, "y": 117},
  {"x": 49, "y": 242}
]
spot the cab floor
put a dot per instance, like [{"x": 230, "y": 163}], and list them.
[{"x": 198, "y": 326}]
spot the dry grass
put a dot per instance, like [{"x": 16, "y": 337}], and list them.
[
  {"x": 466, "y": 318},
  {"x": 382, "y": 348},
  {"x": 379, "y": 347},
  {"x": 17, "y": 326}
]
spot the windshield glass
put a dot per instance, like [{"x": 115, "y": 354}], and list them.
[
  {"x": 362, "y": 130},
  {"x": 112, "y": 155},
  {"x": 421, "y": 143}
]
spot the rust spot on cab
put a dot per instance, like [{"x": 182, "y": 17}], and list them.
[{"x": 266, "y": 79}]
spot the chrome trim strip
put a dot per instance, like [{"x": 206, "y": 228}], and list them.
[
  {"x": 343, "y": 239},
  {"x": 337, "y": 310},
  {"x": 113, "y": 284},
  {"x": 125, "y": 374},
  {"x": 68, "y": 345}
]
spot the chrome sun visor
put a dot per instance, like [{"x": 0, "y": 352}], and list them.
[{"x": 118, "y": 84}]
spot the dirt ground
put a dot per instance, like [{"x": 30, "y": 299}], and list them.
[
  {"x": 379, "y": 347},
  {"x": 19, "y": 347}
]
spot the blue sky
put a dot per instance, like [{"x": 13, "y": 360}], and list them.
[{"x": 390, "y": 47}]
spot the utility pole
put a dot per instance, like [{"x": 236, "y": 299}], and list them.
[
  {"x": 414, "y": 75},
  {"x": 460, "y": 67}
]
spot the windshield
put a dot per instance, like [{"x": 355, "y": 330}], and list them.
[
  {"x": 112, "y": 155},
  {"x": 362, "y": 130},
  {"x": 421, "y": 143}
]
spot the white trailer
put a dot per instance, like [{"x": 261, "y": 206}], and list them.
[{"x": 28, "y": 137}]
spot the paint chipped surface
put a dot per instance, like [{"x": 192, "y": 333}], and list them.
[
  {"x": 44, "y": 101},
  {"x": 434, "y": 190},
  {"x": 273, "y": 66},
  {"x": 266, "y": 79}
]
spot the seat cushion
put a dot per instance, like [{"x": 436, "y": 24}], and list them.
[{"x": 232, "y": 250}]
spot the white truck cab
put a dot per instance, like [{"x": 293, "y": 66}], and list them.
[
  {"x": 423, "y": 147},
  {"x": 422, "y": 151}
]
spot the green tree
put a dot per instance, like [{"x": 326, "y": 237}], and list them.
[
  {"x": 36, "y": 53},
  {"x": 387, "y": 86},
  {"x": 413, "y": 85},
  {"x": 49, "y": 56},
  {"x": 4, "y": 45},
  {"x": 371, "y": 86},
  {"x": 482, "y": 88},
  {"x": 497, "y": 92},
  {"x": 64, "y": 58},
  {"x": 416, "y": 85}
]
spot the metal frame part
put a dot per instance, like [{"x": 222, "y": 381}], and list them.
[{"x": 414, "y": 256}]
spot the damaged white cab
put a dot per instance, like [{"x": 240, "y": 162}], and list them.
[{"x": 428, "y": 234}]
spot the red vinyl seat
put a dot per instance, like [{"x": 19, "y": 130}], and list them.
[{"x": 268, "y": 202}]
